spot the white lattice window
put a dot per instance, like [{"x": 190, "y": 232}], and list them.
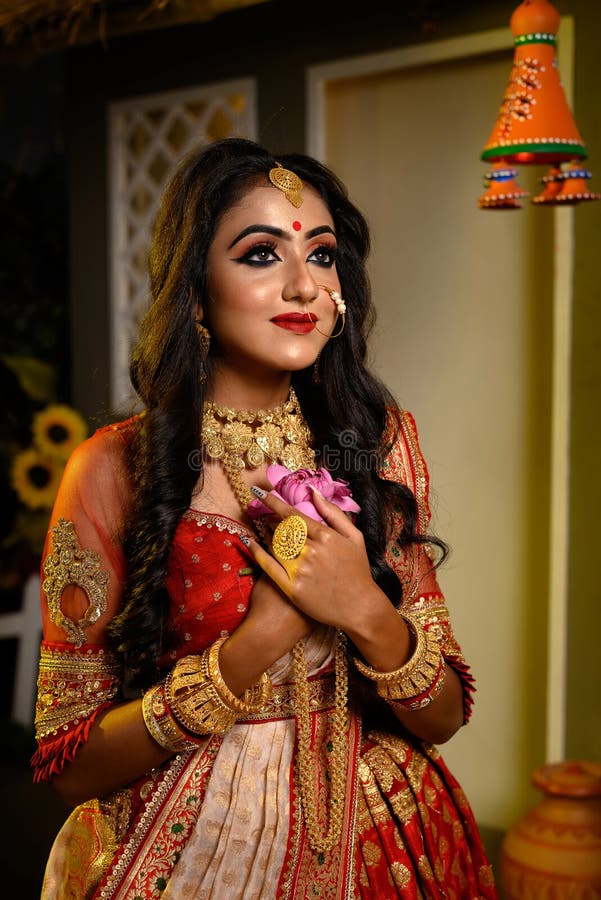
[{"x": 148, "y": 136}]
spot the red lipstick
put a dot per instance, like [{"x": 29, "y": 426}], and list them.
[{"x": 299, "y": 323}]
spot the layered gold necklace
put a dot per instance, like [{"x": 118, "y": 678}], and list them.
[{"x": 246, "y": 439}]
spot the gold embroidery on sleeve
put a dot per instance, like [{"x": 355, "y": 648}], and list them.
[
  {"x": 70, "y": 564},
  {"x": 71, "y": 686},
  {"x": 432, "y": 614}
]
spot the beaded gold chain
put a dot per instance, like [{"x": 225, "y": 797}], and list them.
[
  {"x": 247, "y": 438},
  {"x": 306, "y": 758},
  {"x": 242, "y": 439}
]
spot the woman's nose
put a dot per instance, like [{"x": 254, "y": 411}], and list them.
[{"x": 300, "y": 284}]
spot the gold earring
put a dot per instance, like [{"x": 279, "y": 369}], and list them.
[{"x": 204, "y": 340}]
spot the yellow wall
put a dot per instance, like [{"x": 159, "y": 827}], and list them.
[{"x": 583, "y": 736}]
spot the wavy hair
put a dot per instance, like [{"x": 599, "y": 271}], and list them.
[{"x": 348, "y": 415}]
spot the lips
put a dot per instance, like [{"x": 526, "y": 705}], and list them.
[{"x": 299, "y": 323}]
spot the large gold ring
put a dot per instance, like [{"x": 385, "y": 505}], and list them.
[{"x": 288, "y": 542}]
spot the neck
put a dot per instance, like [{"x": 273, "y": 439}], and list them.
[{"x": 240, "y": 391}]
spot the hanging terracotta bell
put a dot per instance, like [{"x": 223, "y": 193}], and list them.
[
  {"x": 534, "y": 124},
  {"x": 573, "y": 185},
  {"x": 502, "y": 192},
  {"x": 551, "y": 182}
]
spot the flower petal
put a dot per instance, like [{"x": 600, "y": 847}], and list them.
[
  {"x": 309, "y": 510},
  {"x": 256, "y": 508},
  {"x": 275, "y": 473}
]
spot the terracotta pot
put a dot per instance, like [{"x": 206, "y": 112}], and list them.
[{"x": 554, "y": 851}]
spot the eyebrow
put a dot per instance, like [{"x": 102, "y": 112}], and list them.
[{"x": 277, "y": 232}]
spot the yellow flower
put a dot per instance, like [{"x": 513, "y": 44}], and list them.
[
  {"x": 57, "y": 430},
  {"x": 35, "y": 478}
]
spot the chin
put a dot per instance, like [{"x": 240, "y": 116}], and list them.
[{"x": 300, "y": 363}]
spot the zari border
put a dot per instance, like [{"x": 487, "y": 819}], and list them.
[
  {"x": 144, "y": 863},
  {"x": 406, "y": 459},
  {"x": 282, "y": 703},
  {"x": 214, "y": 520},
  {"x": 72, "y": 684},
  {"x": 301, "y": 862}
]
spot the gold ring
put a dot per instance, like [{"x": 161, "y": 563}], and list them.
[{"x": 288, "y": 542}]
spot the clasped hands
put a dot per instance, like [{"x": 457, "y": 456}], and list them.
[{"x": 327, "y": 576}]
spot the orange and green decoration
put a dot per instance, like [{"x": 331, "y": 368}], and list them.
[{"x": 534, "y": 125}]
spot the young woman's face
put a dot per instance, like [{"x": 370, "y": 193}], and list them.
[{"x": 264, "y": 267}]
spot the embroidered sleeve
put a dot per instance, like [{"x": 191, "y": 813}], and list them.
[
  {"x": 74, "y": 686},
  {"x": 82, "y": 577},
  {"x": 422, "y": 596},
  {"x": 69, "y": 564}
]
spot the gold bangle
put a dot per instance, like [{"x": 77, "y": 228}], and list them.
[
  {"x": 194, "y": 699},
  {"x": 252, "y": 701},
  {"x": 160, "y": 722},
  {"x": 417, "y": 676},
  {"x": 422, "y": 700},
  {"x": 394, "y": 675}
]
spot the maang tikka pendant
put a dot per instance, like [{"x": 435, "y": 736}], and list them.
[{"x": 287, "y": 182}]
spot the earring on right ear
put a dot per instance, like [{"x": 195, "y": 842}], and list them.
[{"x": 204, "y": 340}]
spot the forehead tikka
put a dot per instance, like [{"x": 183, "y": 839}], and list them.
[{"x": 287, "y": 182}]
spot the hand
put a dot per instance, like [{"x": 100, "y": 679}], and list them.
[
  {"x": 332, "y": 582},
  {"x": 269, "y": 630},
  {"x": 271, "y": 611}
]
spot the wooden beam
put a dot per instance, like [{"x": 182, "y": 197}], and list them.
[{"x": 40, "y": 26}]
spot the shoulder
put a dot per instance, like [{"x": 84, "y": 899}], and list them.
[
  {"x": 99, "y": 464},
  {"x": 105, "y": 448},
  {"x": 403, "y": 460}
]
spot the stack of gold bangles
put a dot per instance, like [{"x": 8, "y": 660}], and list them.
[
  {"x": 194, "y": 701},
  {"x": 419, "y": 680}
]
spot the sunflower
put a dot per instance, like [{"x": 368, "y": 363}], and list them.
[
  {"x": 35, "y": 478},
  {"x": 57, "y": 430}
]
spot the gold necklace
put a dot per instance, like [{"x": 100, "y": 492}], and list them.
[
  {"x": 247, "y": 438},
  {"x": 307, "y": 759}
]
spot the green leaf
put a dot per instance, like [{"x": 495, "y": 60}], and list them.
[{"x": 37, "y": 378}]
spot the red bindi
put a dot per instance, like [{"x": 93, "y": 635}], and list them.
[{"x": 297, "y": 226}]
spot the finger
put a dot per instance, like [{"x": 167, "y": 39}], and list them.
[
  {"x": 335, "y": 517},
  {"x": 271, "y": 523},
  {"x": 270, "y": 566},
  {"x": 284, "y": 509}
]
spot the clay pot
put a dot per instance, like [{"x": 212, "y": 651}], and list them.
[{"x": 554, "y": 851}]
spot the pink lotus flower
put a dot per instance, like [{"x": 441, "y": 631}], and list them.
[{"x": 294, "y": 488}]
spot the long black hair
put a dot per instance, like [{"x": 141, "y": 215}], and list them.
[{"x": 347, "y": 408}]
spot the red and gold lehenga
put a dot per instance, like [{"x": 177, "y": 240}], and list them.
[{"x": 224, "y": 820}]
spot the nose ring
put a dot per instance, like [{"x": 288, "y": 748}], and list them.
[{"x": 340, "y": 307}]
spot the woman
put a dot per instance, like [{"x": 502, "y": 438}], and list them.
[{"x": 239, "y": 707}]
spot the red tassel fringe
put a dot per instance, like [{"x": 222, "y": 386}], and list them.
[
  {"x": 54, "y": 753},
  {"x": 468, "y": 682}
]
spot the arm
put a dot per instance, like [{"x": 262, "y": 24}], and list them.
[
  {"x": 334, "y": 565},
  {"x": 101, "y": 766},
  {"x": 83, "y": 724},
  {"x": 272, "y": 628}
]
